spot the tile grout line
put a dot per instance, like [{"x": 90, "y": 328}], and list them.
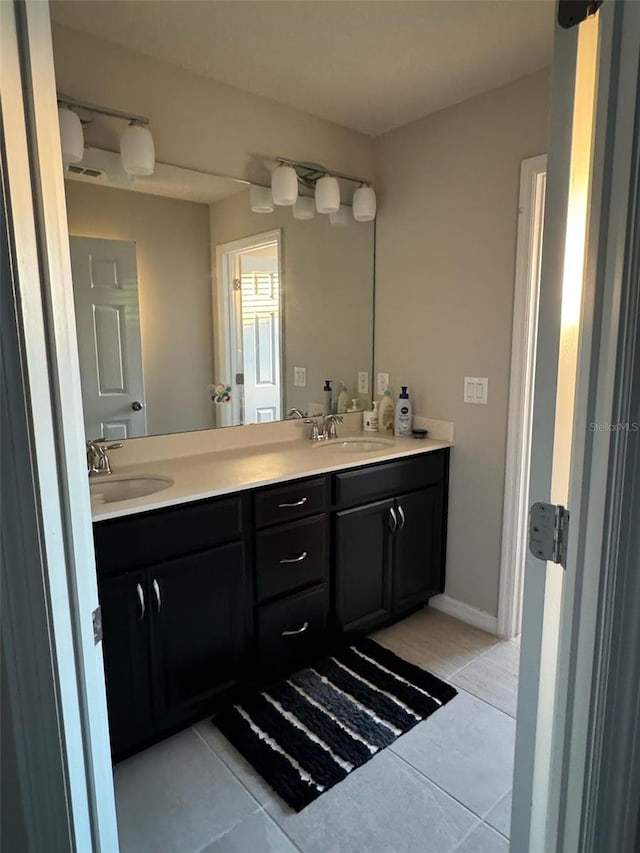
[
  {"x": 479, "y": 818},
  {"x": 261, "y": 807}
]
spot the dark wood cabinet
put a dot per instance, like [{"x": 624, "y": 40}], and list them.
[
  {"x": 198, "y": 607},
  {"x": 363, "y": 552},
  {"x": 126, "y": 649},
  {"x": 417, "y": 548},
  {"x": 222, "y": 593}
]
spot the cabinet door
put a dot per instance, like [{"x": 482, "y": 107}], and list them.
[
  {"x": 199, "y": 612},
  {"x": 418, "y": 548},
  {"x": 363, "y": 562},
  {"x": 125, "y": 646}
]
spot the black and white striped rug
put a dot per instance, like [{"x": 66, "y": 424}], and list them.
[{"x": 304, "y": 734}]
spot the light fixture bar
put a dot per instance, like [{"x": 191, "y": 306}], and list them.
[
  {"x": 311, "y": 172},
  {"x": 105, "y": 111}
]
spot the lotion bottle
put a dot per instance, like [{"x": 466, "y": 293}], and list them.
[
  {"x": 387, "y": 411},
  {"x": 403, "y": 415}
]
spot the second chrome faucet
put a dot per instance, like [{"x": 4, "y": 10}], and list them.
[{"x": 324, "y": 427}]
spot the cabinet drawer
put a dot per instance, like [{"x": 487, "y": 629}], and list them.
[
  {"x": 388, "y": 479},
  {"x": 286, "y": 503},
  {"x": 154, "y": 537},
  {"x": 291, "y": 631},
  {"x": 291, "y": 556}
]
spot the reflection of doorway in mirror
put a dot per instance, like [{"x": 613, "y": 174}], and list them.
[
  {"x": 105, "y": 291},
  {"x": 251, "y": 344}
]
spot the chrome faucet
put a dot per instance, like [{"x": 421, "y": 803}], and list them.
[
  {"x": 295, "y": 413},
  {"x": 329, "y": 429},
  {"x": 97, "y": 459}
]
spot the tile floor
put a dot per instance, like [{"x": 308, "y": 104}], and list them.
[{"x": 443, "y": 787}]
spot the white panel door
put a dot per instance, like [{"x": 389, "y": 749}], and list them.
[
  {"x": 105, "y": 288},
  {"x": 261, "y": 338}
]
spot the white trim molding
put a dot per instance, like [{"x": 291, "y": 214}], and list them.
[
  {"x": 523, "y": 356},
  {"x": 465, "y": 613}
]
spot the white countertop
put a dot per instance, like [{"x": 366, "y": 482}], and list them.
[{"x": 225, "y": 472}]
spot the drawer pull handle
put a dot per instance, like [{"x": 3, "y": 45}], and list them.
[
  {"x": 298, "y": 559},
  {"x": 140, "y": 592},
  {"x": 292, "y": 632},
  {"x": 394, "y": 519},
  {"x": 301, "y": 502},
  {"x": 156, "y": 589},
  {"x": 402, "y": 518}
]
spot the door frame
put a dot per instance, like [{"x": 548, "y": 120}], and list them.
[
  {"x": 588, "y": 743},
  {"x": 533, "y": 172},
  {"x": 224, "y": 327},
  {"x": 51, "y": 385}
]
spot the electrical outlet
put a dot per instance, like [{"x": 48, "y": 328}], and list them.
[
  {"x": 363, "y": 382},
  {"x": 476, "y": 390},
  {"x": 383, "y": 382},
  {"x": 300, "y": 377}
]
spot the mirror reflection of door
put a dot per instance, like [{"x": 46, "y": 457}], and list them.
[
  {"x": 105, "y": 290},
  {"x": 251, "y": 270}
]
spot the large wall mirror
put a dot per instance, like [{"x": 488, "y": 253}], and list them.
[{"x": 194, "y": 312}]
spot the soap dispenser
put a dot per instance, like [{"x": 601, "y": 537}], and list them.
[
  {"x": 326, "y": 399},
  {"x": 343, "y": 399}
]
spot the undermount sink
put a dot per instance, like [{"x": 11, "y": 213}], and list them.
[
  {"x": 355, "y": 445},
  {"x": 125, "y": 487}
]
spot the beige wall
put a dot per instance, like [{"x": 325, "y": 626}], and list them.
[
  {"x": 196, "y": 122},
  {"x": 174, "y": 284},
  {"x": 445, "y": 261},
  {"x": 327, "y": 276}
]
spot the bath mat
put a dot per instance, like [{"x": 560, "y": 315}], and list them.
[{"x": 306, "y": 733}]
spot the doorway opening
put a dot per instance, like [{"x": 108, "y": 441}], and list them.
[
  {"x": 249, "y": 328},
  {"x": 533, "y": 174}
]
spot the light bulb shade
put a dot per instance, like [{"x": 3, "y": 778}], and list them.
[
  {"x": 71, "y": 135},
  {"x": 341, "y": 218},
  {"x": 364, "y": 204},
  {"x": 261, "y": 199},
  {"x": 137, "y": 150},
  {"x": 327, "y": 195},
  {"x": 284, "y": 186},
  {"x": 304, "y": 208}
]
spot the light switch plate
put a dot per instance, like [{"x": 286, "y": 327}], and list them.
[
  {"x": 363, "y": 382},
  {"x": 383, "y": 382},
  {"x": 300, "y": 377},
  {"x": 476, "y": 390}
]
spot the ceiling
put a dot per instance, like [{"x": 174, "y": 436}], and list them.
[{"x": 370, "y": 65}]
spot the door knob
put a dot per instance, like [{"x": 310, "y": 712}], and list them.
[{"x": 137, "y": 405}]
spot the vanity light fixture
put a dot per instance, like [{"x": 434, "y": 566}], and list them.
[
  {"x": 137, "y": 150},
  {"x": 327, "y": 195},
  {"x": 71, "y": 135},
  {"x": 304, "y": 208},
  {"x": 261, "y": 199},
  {"x": 364, "y": 204},
  {"x": 326, "y": 188},
  {"x": 136, "y": 143},
  {"x": 284, "y": 185}
]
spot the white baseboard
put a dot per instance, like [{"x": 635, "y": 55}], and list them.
[{"x": 465, "y": 613}]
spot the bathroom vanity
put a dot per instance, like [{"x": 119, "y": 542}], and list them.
[{"x": 210, "y": 595}]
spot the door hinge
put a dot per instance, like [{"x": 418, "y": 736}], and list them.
[
  {"x": 96, "y": 618},
  {"x": 549, "y": 532},
  {"x": 237, "y": 284},
  {"x": 572, "y": 12}
]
